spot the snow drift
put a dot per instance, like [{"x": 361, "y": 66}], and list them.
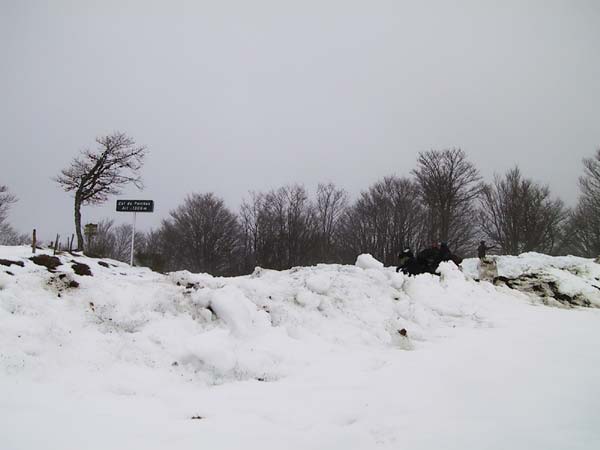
[{"x": 129, "y": 332}]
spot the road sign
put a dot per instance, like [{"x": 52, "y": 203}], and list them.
[{"x": 135, "y": 206}]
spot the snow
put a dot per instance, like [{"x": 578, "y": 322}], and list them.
[
  {"x": 366, "y": 261},
  {"x": 308, "y": 358},
  {"x": 573, "y": 275}
]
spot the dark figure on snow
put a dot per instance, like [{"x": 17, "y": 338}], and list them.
[
  {"x": 404, "y": 258},
  {"x": 482, "y": 249},
  {"x": 445, "y": 253},
  {"x": 430, "y": 258},
  {"x": 407, "y": 263}
]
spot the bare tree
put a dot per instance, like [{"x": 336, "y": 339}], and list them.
[
  {"x": 95, "y": 175},
  {"x": 584, "y": 222},
  {"x": 300, "y": 226},
  {"x": 289, "y": 223},
  {"x": 448, "y": 185},
  {"x": 387, "y": 218},
  {"x": 8, "y": 235},
  {"x": 582, "y": 234},
  {"x": 114, "y": 242},
  {"x": 330, "y": 207},
  {"x": 201, "y": 235},
  {"x": 6, "y": 201},
  {"x": 102, "y": 243},
  {"x": 153, "y": 251},
  {"x": 252, "y": 229},
  {"x": 279, "y": 228},
  {"x": 519, "y": 215},
  {"x": 122, "y": 242}
]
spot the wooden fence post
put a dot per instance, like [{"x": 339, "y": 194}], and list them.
[{"x": 56, "y": 243}]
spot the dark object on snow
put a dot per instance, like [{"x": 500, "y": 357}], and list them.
[
  {"x": 414, "y": 267},
  {"x": 103, "y": 264},
  {"x": 456, "y": 259},
  {"x": 404, "y": 258},
  {"x": 197, "y": 417},
  {"x": 8, "y": 263},
  {"x": 62, "y": 282},
  {"x": 402, "y": 332},
  {"x": 430, "y": 258},
  {"x": 81, "y": 269},
  {"x": 482, "y": 249},
  {"x": 445, "y": 253},
  {"x": 408, "y": 264},
  {"x": 49, "y": 262}
]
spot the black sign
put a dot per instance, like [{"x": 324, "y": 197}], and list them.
[{"x": 135, "y": 205}]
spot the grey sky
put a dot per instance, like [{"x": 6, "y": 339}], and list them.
[{"x": 231, "y": 96}]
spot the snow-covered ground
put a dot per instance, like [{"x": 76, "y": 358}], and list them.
[{"x": 309, "y": 358}]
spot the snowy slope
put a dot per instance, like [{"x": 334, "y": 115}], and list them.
[{"x": 306, "y": 358}]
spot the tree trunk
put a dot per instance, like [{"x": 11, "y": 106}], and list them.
[{"x": 80, "y": 242}]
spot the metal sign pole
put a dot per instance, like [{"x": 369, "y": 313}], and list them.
[
  {"x": 132, "y": 239},
  {"x": 134, "y": 206}
]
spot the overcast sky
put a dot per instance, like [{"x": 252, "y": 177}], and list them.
[{"x": 232, "y": 95}]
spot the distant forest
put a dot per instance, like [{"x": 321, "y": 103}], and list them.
[{"x": 444, "y": 200}]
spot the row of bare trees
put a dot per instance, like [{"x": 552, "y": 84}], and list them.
[
  {"x": 444, "y": 199},
  {"x": 519, "y": 215},
  {"x": 583, "y": 230},
  {"x": 8, "y": 235}
]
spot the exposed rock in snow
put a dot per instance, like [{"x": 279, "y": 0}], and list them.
[
  {"x": 556, "y": 281},
  {"x": 81, "y": 269},
  {"x": 49, "y": 262}
]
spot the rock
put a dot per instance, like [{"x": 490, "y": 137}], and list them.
[
  {"x": 8, "y": 263},
  {"x": 81, "y": 269},
  {"x": 544, "y": 288},
  {"x": 49, "y": 262}
]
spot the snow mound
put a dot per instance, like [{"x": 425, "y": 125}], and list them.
[
  {"x": 366, "y": 261},
  {"x": 221, "y": 329},
  {"x": 348, "y": 352}
]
